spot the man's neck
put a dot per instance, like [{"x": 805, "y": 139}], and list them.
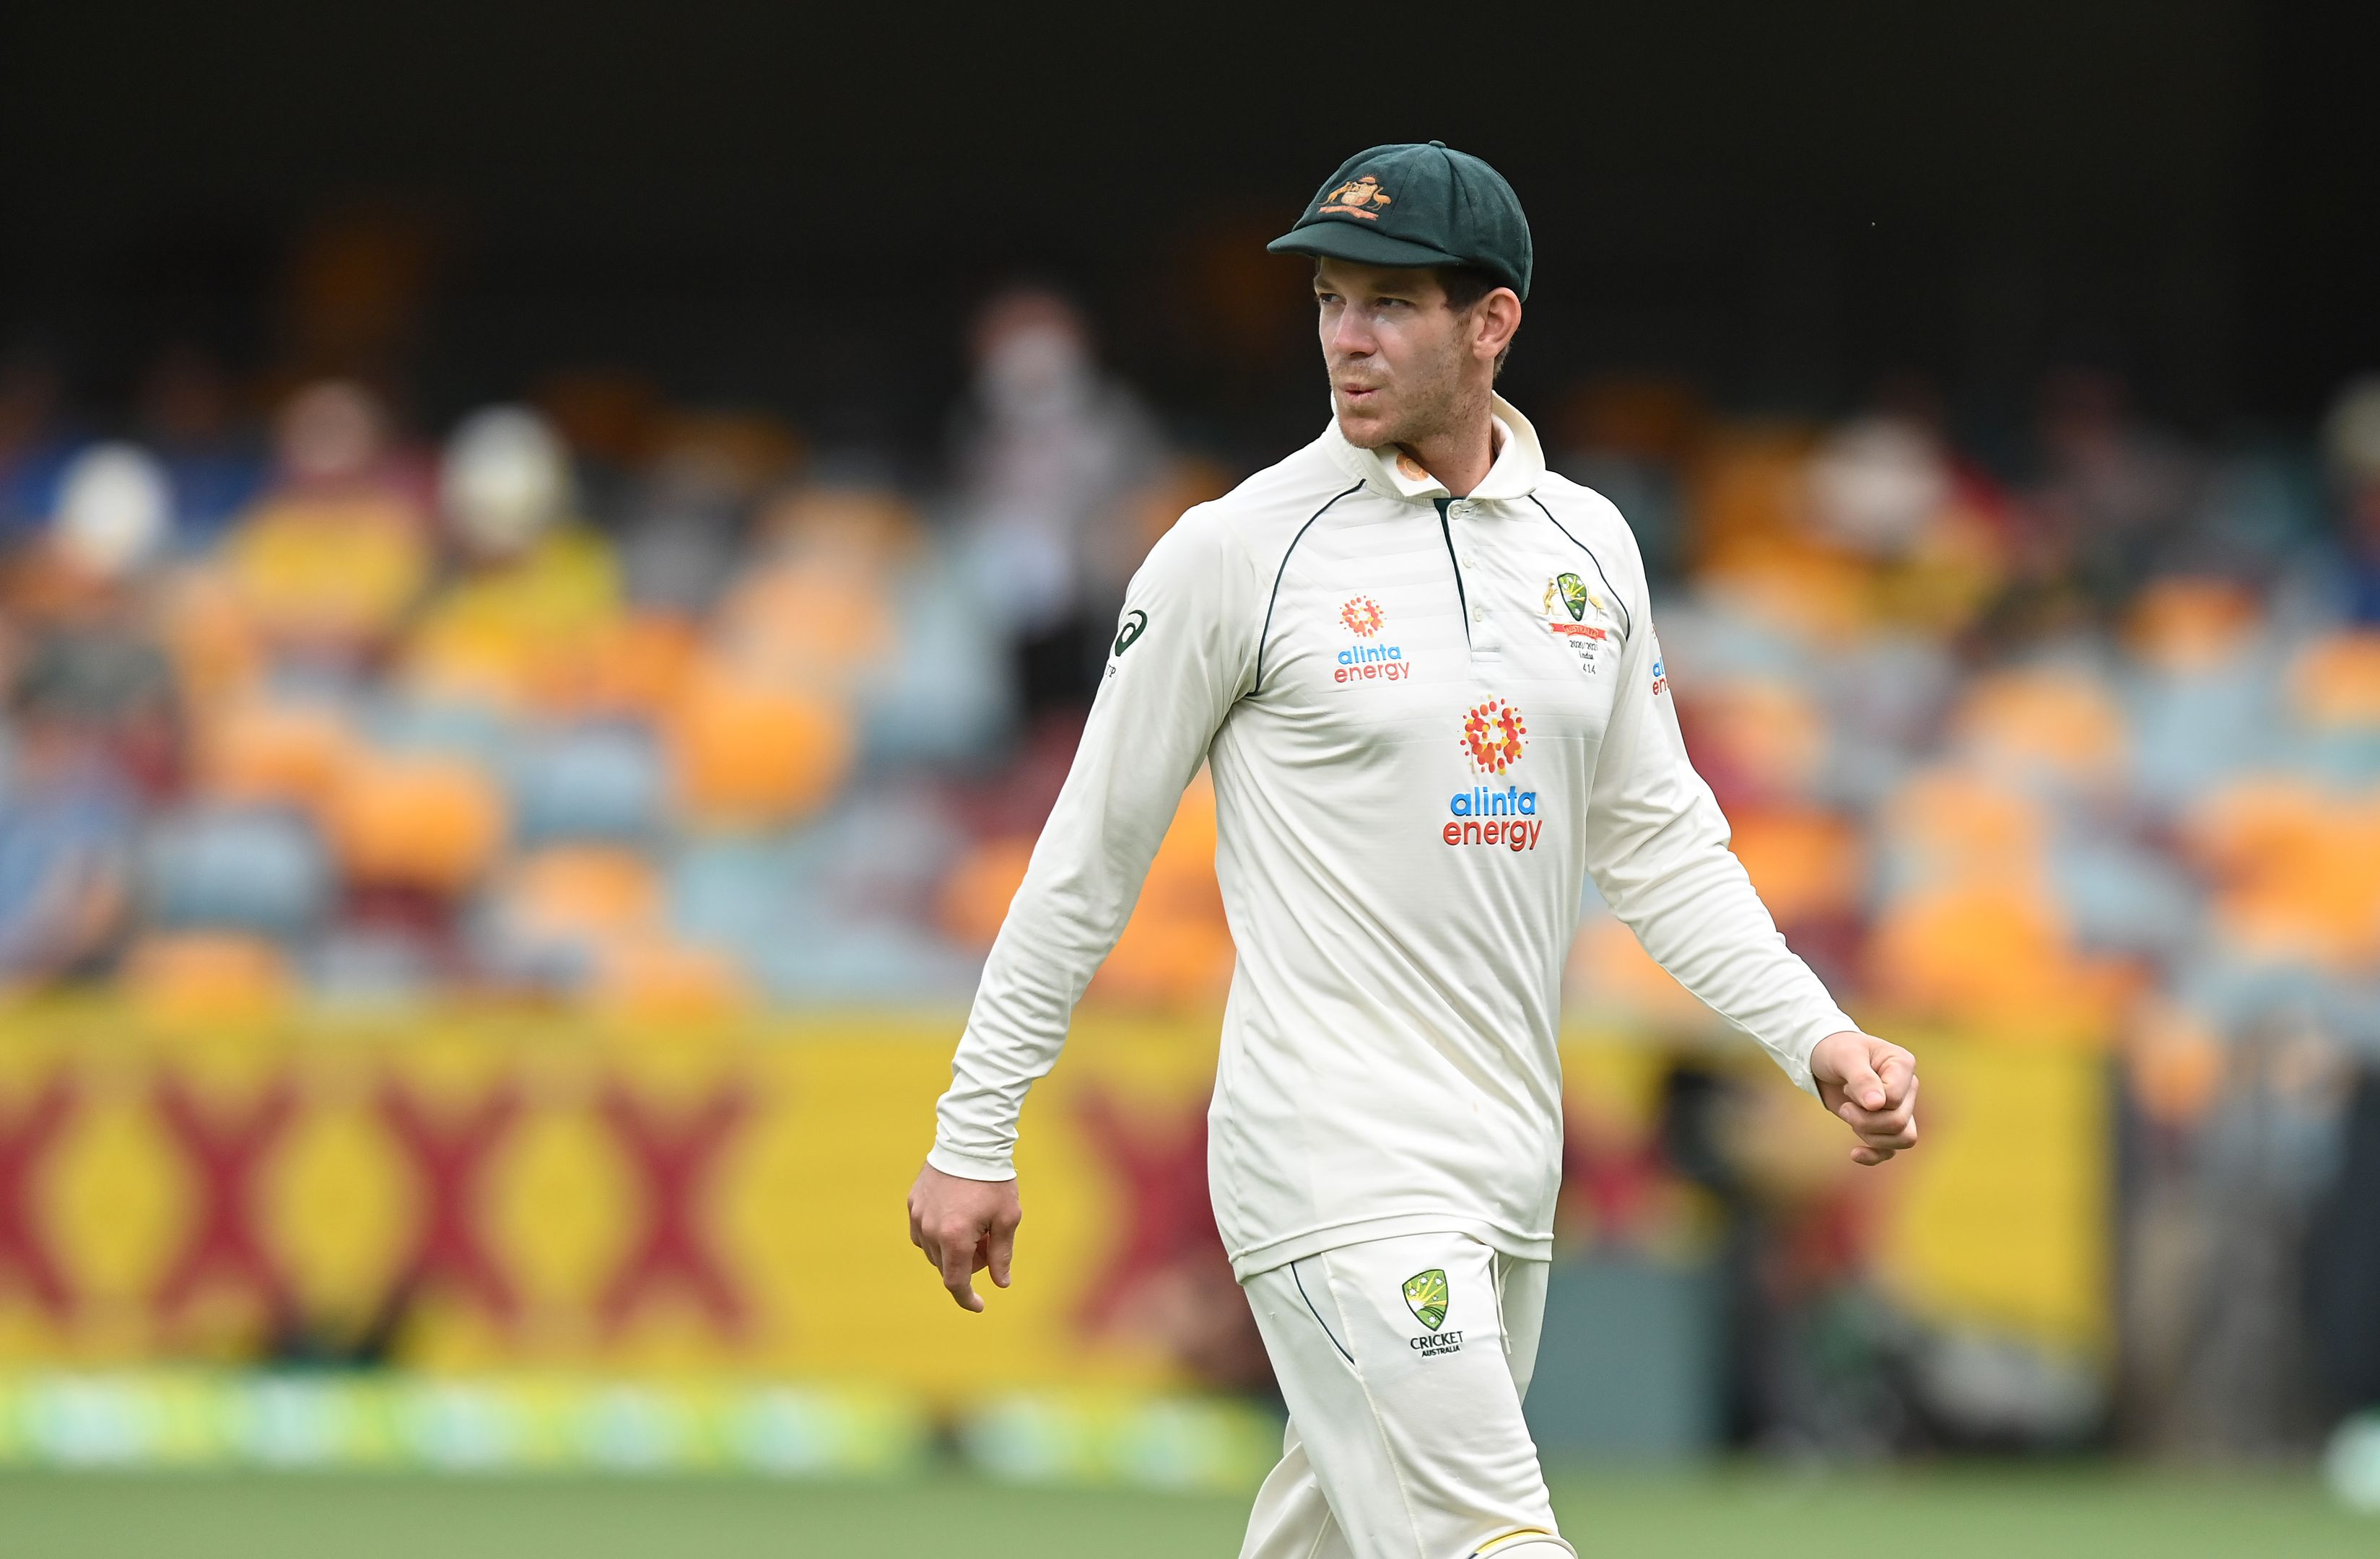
[{"x": 1460, "y": 458}]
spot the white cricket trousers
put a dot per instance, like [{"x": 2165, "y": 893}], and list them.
[{"x": 1403, "y": 1363}]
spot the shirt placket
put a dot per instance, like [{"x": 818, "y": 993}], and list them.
[{"x": 1483, "y": 592}]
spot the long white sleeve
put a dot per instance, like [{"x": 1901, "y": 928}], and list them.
[
  {"x": 1429, "y": 719},
  {"x": 1657, "y": 849},
  {"x": 1184, "y": 652}
]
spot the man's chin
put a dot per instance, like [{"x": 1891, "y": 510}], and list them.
[{"x": 1365, "y": 429}]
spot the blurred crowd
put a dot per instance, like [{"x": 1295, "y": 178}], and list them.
[{"x": 594, "y": 699}]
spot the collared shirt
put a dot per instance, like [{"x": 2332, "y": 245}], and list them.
[{"x": 1429, "y": 719}]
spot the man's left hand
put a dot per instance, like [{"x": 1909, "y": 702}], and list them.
[{"x": 1873, "y": 1085}]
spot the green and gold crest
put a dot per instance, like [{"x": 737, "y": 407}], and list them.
[
  {"x": 1425, "y": 1297},
  {"x": 1574, "y": 595}
]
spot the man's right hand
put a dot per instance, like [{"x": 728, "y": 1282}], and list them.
[{"x": 963, "y": 1226}]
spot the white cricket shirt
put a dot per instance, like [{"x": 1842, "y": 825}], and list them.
[{"x": 1428, "y": 720}]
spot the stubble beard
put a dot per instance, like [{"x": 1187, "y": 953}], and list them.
[{"x": 1431, "y": 400}]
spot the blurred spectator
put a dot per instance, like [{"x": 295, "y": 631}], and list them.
[
  {"x": 1049, "y": 448},
  {"x": 189, "y": 412},
  {"x": 330, "y": 562},
  {"x": 2116, "y": 497},
  {"x": 66, "y": 830},
  {"x": 33, "y": 446},
  {"x": 2352, "y": 435},
  {"x": 531, "y": 587},
  {"x": 80, "y": 611}
]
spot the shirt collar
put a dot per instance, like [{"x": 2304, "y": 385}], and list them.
[{"x": 1519, "y": 463}]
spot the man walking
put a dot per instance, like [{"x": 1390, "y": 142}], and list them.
[{"x": 1422, "y": 671}]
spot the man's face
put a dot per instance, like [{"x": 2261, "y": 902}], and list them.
[{"x": 1400, "y": 359}]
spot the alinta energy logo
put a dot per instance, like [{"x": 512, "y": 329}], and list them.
[
  {"x": 1494, "y": 736},
  {"x": 1364, "y": 660}
]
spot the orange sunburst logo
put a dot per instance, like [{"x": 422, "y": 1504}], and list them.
[
  {"x": 1493, "y": 736},
  {"x": 1362, "y": 616}
]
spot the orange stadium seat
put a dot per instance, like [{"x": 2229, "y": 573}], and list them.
[
  {"x": 1959, "y": 825},
  {"x": 207, "y": 974},
  {"x": 581, "y": 892},
  {"x": 1176, "y": 949},
  {"x": 2059, "y": 720},
  {"x": 2334, "y": 684},
  {"x": 975, "y": 897},
  {"x": 655, "y": 977},
  {"x": 1807, "y": 863},
  {"x": 415, "y": 822},
  {"x": 750, "y": 753},
  {"x": 297, "y": 753},
  {"x": 2296, "y": 871},
  {"x": 1992, "y": 954},
  {"x": 2189, "y": 622}
]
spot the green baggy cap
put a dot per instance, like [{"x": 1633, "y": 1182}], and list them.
[{"x": 1417, "y": 205}]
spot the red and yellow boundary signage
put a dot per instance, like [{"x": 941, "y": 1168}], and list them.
[{"x": 474, "y": 1193}]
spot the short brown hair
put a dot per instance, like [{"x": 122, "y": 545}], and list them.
[{"x": 1464, "y": 285}]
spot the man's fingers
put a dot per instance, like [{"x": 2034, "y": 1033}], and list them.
[
  {"x": 1897, "y": 1071},
  {"x": 1888, "y": 1120},
  {"x": 957, "y": 1257},
  {"x": 1003, "y": 1249},
  {"x": 1861, "y": 1086}
]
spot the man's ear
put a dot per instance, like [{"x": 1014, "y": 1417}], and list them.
[{"x": 1497, "y": 320}]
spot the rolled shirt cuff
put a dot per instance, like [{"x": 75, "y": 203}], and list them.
[
  {"x": 976, "y": 1166},
  {"x": 1796, "y": 1055}
]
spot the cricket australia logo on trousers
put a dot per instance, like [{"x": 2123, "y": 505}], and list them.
[{"x": 1425, "y": 1297}]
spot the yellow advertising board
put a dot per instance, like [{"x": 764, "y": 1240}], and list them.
[{"x": 473, "y": 1192}]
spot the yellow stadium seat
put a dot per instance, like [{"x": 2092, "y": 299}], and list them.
[{"x": 330, "y": 573}]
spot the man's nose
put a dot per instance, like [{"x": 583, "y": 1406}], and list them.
[{"x": 1349, "y": 337}]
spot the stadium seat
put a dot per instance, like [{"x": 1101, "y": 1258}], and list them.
[
  {"x": 207, "y": 975},
  {"x": 429, "y": 823},
  {"x": 601, "y": 780},
  {"x": 748, "y": 753},
  {"x": 2059, "y": 723},
  {"x": 290, "y": 752},
  {"x": 258, "y": 869}
]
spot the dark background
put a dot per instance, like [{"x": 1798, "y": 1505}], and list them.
[{"x": 785, "y": 205}]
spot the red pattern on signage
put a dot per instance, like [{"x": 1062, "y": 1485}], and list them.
[
  {"x": 224, "y": 1150},
  {"x": 25, "y": 1142},
  {"x": 674, "y": 1162},
  {"x": 448, "y": 1156}
]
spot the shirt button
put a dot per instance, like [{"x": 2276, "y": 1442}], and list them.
[
  {"x": 1471, "y": 560},
  {"x": 1480, "y": 614}
]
